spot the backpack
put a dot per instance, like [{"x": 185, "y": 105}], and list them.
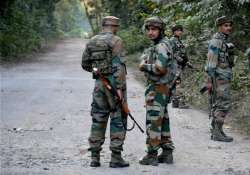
[{"x": 98, "y": 54}]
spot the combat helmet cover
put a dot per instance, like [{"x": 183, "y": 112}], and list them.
[
  {"x": 110, "y": 21},
  {"x": 154, "y": 21},
  {"x": 222, "y": 20},
  {"x": 177, "y": 27}
]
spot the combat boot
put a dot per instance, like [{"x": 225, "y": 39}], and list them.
[
  {"x": 166, "y": 156},
  {"x": 149, "y": 159},
  {"x": 224, "y": 134},
  {"x": 218, "y": 133},
  {"x": 183, "y": 105},
  {"x": 95, "y": 159},
  {"x": 175, "y": 103},
  {"x": 117, "y": 161}
]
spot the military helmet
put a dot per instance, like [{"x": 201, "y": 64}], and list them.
[
  {"x": 222, "y": 20},
  {"x": 177, "y": 27},
  {"x": 154, "y": 21},
  {"x": 110, "y": 21}
]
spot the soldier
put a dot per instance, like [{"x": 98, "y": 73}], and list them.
[
  {"x": 219, "y": 69},
  {"x": 180, "y": 54},
  {"x": 103, "y": 52},
  {"x": 157, "y": 65}
]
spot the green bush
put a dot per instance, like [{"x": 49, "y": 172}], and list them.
[
  {"x": 26, "y": 25},
  {"x": 134, "y": 40}
]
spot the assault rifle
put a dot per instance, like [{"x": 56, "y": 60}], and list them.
[
  {"x": 212, "y": 91},
  {"x": 183, "y": 61},
  {"x": 173, "y": 84},
  {"x": 113, "y": 91}
]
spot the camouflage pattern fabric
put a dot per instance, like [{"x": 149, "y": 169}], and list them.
[
  {"x": 248, "y": 57},
  {"x": 157, "y": 64},
  {"x": 180, "y": 56},
  {"x": 179, "y": 50},
  {"x": 98, "y": 53},
  {"x": 218, "y": 67},
  {"x": 104, "y": 104},
  {"x": 157, "y": 119}
]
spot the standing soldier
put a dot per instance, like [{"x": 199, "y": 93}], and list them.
[
  {"x": 103, "y": 52},
  {"x": 219, "y": 69},
  {"x": 157, "y": 65},
  {"x": 180, "y": 55}
]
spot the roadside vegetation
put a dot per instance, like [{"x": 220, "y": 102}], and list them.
[
  {"x": 198, "y": 18},
  {"x": 27, "y": 26}
]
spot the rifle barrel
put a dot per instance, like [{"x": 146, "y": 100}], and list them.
[{"x": 132, "y": 118}]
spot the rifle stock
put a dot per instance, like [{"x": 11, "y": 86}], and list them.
[{"x": 212, "y": 92}]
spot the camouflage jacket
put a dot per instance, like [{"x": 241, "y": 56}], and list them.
[
  {"x": 179, "y": 50},
  {"x": 158, "y": 63},
  {"x": 248, "y": 53},
  {"x": 118, "y": 75},
  {"x": 218, "y": 58}
]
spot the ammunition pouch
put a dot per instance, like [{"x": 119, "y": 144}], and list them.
[
  {"x": 182, "y": 60},
  {"x": 223, "y": 65},
  {"x": 102, "y": 60},
  {"x": 98, "y": 54}
]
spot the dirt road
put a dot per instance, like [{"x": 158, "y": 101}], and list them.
[{"x": 45, "y": 123}]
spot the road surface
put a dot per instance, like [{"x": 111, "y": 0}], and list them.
[{"x": 45, "y": 123}]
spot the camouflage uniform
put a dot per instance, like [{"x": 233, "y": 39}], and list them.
[
  {"x": 104, "y": 103},
  {"x": 157, "y": 65},
  {"x": 248, "y": 56},
  {"x": 219, "y": 69},
  {"x": 180, "y": 55}
]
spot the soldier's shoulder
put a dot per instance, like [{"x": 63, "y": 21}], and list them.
[
  {"x": 116, "y": 38},
  {"x": 95, "y": 36},
  {"x": 165, "y": 42},
  {"x": 248, "y": 52},
  {"x": 110, "y": 38},
  {"x": 215, "y": 42},
  {"x": 91, "y": 40},
  {"x": 217, "y": 38},
  {"x": 117, "y": 45},
  {"x": 173, "y": 41},
  {"x": 164, "y": 46},
  {"x": 161, "y": 45},
  {"x": 173, "y": 38}
]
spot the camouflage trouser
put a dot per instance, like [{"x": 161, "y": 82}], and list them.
[
  {"x": 157, "y": 119},
  {"x": 177, "y": 92},
  {"x": 249, "y": 65},
  {"x": 222, "y": 102},
  {"x": 102, "y": 106}
]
